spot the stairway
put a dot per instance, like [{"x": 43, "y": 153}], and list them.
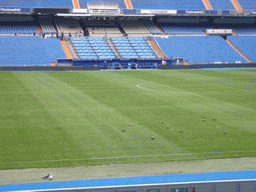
[
  {"x": 71, "y": 49},
  {"x": 111, "y": 45},
  {"x": 128, "y": 4},
  {"x": 65, "y": 49},
  {"x": 76, "y": 4},
  {"x": 237, "y": 6},
  {"x": 238, "y": 51},
  {"x": 156, "y": 48},
  {"x": 207, "y": 4}
]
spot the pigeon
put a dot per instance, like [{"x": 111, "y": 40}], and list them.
[
  {"x": 45, "y": 177},
  {"x": 123, "y": 130},
  {"x": 152, "y": 137},
  {"x": 167, "y": 127},
  {"x": 180, "y": 131},
  {"x": 50, "y": 177}
]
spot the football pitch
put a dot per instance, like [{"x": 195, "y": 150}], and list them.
[{"x": 55, "y": 119}]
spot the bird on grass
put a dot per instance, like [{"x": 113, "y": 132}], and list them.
[
  {"x": 152, "y": 137},
  {"x": 123, "y": 130},
  {"x": 224, "y": 132},
  {"x": 130, "y": 124},
  {"x": 50, "y": 177},
  {"x": 172, "y": 129},
  {"x": 214, "y": 119},
  {"x": 162, "y": 121},
  {"x": 180, "y": 131},
  {"x": 167, "y": 127},
  {"x": 59, "y": 127},
  {"x": 45, "y": 177}
]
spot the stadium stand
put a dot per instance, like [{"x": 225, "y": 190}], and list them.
[
  {"x": 246, "y": 44},
  {"x": 120, "y": 3},
  {"x": 92, "y": 23},
  {"x": 222, "y": 5},
  {"x": 68, "y": 25},
  {"x": 37, "y": 4},
  {"x": 240, "y": 29},
  {"x": 29, "y": 51},
  {"x": 151, "y": 27},
  {"x": 185, "y": 28},
  {"x": 124, "y": 48},
  {"x": 47, "y": 26},
  {"x": 133, "y": 48},
  {"x": 247, "y": 5},
  {"x": 133, "y": 26},
  {"x": 17, "y": 27},
  {"x": 101, "y": 26},
  {"x": 142, "y": 48},
  {"x": 92, "y": 48},
  {"x": 168, "y": 4},
  {"x": 199, "y": 49}
]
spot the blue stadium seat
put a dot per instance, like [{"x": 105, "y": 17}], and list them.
[
  {"x": 142, "y": 48},
  {"x": 120, "y": 3},
  {"x": 29, "y": 51},
  {"x": 92, "y": 48},
  {"x": 37, "y": 4},
  {"x": 240, "y": 29},
  {"x": 246, "y": 44},
  {"x": 47, "y": 26},
  {"x": 185, "y": 28},
  {"x": 17, "y": 27},
  {"x": 222, "y": 5},
  {"x": 199, "y": 49},
  {"x": 168, "y": 4},
  {"x": 247, "y": 5}
]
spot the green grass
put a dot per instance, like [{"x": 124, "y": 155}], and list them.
[{"x": 93, "y": 107}]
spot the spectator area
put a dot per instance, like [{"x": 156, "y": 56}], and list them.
[
  {"x": 240, "y": 29},
  {"x": 37, "y": 3},
  {"x": 92, "y": 48},
  {"x": 133, "y": 26},
  {"x": 246, "y": 44},
  {"x": 29, "y": 51},
  {"x": 222, "y": 5},
  {"x": 199, "y": 49},
  {"x": 68, "y": 25},
  {"x": 120, "y": 3},
  {"x": 101, "y": 26},
  {"x": 168, "y": 4},
  {"x": 247, "y": 5},
  {"x": 17, "y": 27},
  {"x": 151, "y": 27},
  {"x": 133, "y": 48},
  {"x": 185, "y": 28},
  {"x": 47, "y": 26}
]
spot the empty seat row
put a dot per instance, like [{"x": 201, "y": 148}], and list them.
[
  {"x": 17, "y": 27},
  {"x": 29, "y": 51},
  {"x": 68, "y": 25},
  {"x": 199, "y": 49},
  {"x": 92, "y": 48}
]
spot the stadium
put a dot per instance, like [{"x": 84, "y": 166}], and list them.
[{"x": 128, "y": 95}]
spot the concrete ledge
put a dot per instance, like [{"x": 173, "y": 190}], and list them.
[
  {"x": 205, "y": 66},
  {"x": 49, "y": 68}
]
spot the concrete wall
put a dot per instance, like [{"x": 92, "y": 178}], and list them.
[
  {"x": 205, "y": 66},
  {"x": 48, "y": 68},
  {"x": 225, "y": 186}
]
